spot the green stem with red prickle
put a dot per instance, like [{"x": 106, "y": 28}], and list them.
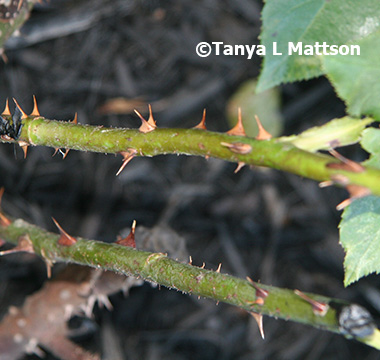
[
  {"x": 271, "y": 153},
  {"x": 322, "y": 312}
]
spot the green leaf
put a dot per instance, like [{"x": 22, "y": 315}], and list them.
[
  {"x": 356, "y": 78},
  {"x": 360, "y": 238},
  {"x": 340, "y": 132},
  {"x": 336, "y": 22},
  {"x": 371, "y": 143},
  {"x": 265, "y": 105}
]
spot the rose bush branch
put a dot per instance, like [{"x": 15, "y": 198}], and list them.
[
  {"x": 232, "y": 146},
  {"x": 322, "y": 312}
]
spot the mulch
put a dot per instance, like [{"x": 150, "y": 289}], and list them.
[{"x": 75, "y": 56}]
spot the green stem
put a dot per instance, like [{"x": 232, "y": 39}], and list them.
[
  {"x": 269, "y": 153},
  {"x": 157, "y": 267}
]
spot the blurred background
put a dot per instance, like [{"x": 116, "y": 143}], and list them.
[{"x": 104, "y": 58}]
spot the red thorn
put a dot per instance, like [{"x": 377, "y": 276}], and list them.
[
  {"x": 326, "y": 183},
  {"x": 263, "y": 134},
  {"x": 319, "y": 308},
  {"x": 25, "y": 150},
  {"x": 261, "y": 294},
  {"x": 63, "y": 153},
  {"x": 239, "y": 166},
  {"x": 24, "y": 245},
  {"x": 4, "y": 221},
  {"x": 347, "y": 164},
  {"x": 35, "y": 111},
  {"x": 202, "y": 124},
  {"x": 20, "y": 5},
  {"x": 238, "y": 148},
  {"x": 48, "y": 269},
  {"x": 259, "y": 319},
  {"x": 151, "y": 120},
  {"x": 65, "y": 239},
  {"x": 24, "y": 115},
  {"x": 356, "y": 192},
  {"x": 128, "y": 156},
  {"x": 6, "y": 111},
  {"x": 146, "y": 125},
  {"x": 130, "y": 239},
  {"x": 75, "y": 120},
  {"x": 238, "y": 129},
  {"x": 2, "y": 189},
  {"x": 24, "y": 146}
]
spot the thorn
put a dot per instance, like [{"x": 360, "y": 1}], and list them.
[
  {"x": 356, "y": 192},
  {"x": 35, "y": 111},
  {"x": 319, "y": 308},
  {"x": 219, "y": 268},
  {"x": 263, "y": 134},
  {"x": 146, "y": 126},
  {"x": 130, "y": 239},
  {"x": 65, "y": 239},
  {"x": 2, "y": 189},
  {"x": 24, "y": 245},
  {"x": 128, "y": 156},
  {"x": 48, "y": 269},
  {"x": 259, "y": 319},
  {"x": 25, "y": 150},
  {"x": 261, "y": 294},
  {"x": 151, "y": 120},
  {"x": 327, "y": 183},
  {"x": 190, "y": 260},
  {"x": 24, "y": 146},
  {"x": 203, "y": 266},
  {"x": 347, "y": 164},
  {"x": 238, "y": 129},
  {"x": 24, "y": 116},
  {"x": 4, "y": 221},
  {"x": 238, "y": 148},
  {"x": 64, "y": 153},
  {"x": 75, "y": 120},
  {"x": 239, "y": 166},
  {"x": 19, "y": 5},
  {"x": 6, "y": 111},
  {"x": 202, "y": 124},
  {"x": 340, "y": 179},
  {"x": 48, "y": 262}
]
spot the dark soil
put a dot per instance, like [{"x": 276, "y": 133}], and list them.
[{"x": 274, "y": 227}]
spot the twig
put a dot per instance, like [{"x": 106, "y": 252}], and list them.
[
  {"x": 150, "y": 141},
  {"x": 322, "y": 312}
]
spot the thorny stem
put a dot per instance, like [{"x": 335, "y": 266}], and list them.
[
  {"x": 271, "y": 153},
  {"x": 322, "y": 312}
]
